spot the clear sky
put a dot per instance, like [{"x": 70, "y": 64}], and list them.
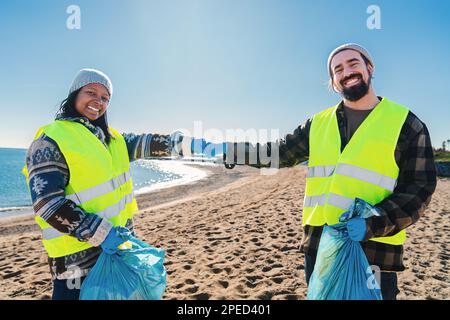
[{"x": 229, "y": 63}]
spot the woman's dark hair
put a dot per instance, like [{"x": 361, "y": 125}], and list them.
[{"x": 67, "y": 110}]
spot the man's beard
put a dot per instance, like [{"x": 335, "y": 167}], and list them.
[{"x": 354, "y": 93}]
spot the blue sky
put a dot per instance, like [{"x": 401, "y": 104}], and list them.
[{"x": 231, "y": 64}]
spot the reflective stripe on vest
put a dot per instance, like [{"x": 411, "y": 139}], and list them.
[
  {"x": 365, "y": 168},
  {"x": 354, "y": 172},
  {"x": 339, "y": 201},
  {"x": 333, "y": 199},
  {"x": 320, "y": 171},
  {"x": 112, "y": 211},
  {"x": 99, "y": 190},
  {"x": 51, "y": 233}
]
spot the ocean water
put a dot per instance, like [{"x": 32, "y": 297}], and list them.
[
  {"x": 147, "y": 175},
  {"x": 13, "y": 187}
]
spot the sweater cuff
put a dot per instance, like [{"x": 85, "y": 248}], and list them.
[{"x": 101, "y": 233}]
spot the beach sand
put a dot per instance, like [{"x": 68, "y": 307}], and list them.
[{"x": 235, "y": 235}]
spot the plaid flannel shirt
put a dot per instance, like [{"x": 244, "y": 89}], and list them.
[{"x": 416, "y": 183}]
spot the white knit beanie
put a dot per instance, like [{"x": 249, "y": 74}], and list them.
[
  {"x": 348, "y": 46},
  {"x": 87, "y": 76}
]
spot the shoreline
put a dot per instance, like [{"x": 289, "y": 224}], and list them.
[
  {"x": 190, "y": 173},
  {"x": 203, "y": 172},
  {"x": 15, "y": 212}
]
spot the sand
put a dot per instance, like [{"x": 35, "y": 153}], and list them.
[{"x": 235, "y": 235}]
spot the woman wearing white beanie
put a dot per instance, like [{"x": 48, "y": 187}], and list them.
[{"x": 78, "y": 173}]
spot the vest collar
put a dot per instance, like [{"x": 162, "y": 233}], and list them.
[{"x": 96, "y": 131}]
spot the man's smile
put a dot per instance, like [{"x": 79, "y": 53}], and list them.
[{"x": 353, "y": 80}]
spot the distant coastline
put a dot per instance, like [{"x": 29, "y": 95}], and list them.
[{"x": 182, "y": 172}]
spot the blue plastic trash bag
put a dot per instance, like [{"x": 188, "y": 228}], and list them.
[
  {"x": 135, "y": 272},
  {"x": 341, "y": 271}
]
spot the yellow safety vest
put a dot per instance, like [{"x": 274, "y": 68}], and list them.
[
  {"x": 100, "y": 181},
  {"x": 365, "y": 169}
]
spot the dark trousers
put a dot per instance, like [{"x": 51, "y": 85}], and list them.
[
  {"x": 388, "y": 280},
  {"x": 67, "y": 289}
]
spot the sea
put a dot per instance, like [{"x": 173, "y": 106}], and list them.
[{"x": 147, "y": 174}]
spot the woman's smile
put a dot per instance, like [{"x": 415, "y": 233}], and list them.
[{"x": 93, "y": 111}]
